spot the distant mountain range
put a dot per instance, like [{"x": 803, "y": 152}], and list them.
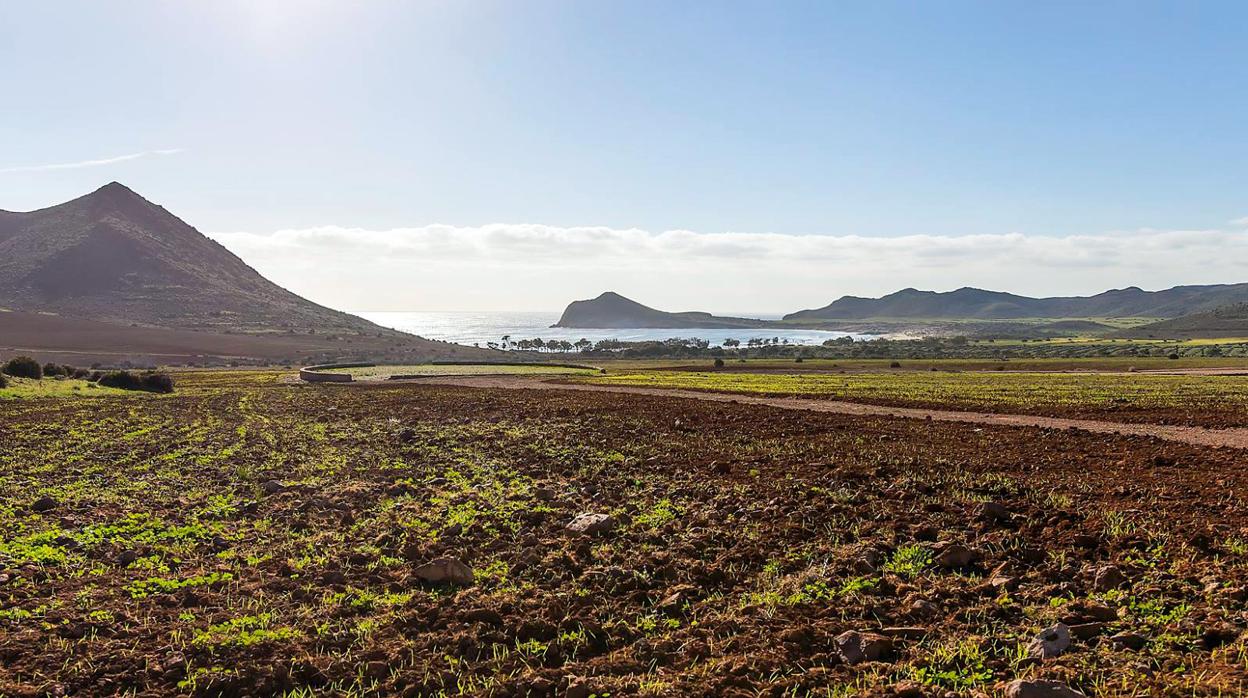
[
  {"x": 969, "y": 311},
  {"x": 977, "y": 304},
  {"x": 113, "y": 259}
]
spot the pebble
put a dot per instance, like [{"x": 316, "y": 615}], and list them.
[{"x": 1051, "y": 642}]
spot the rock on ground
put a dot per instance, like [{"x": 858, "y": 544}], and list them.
[
  {"x": 1039, "y": 688},
  {"x": 445, "y": 570},
  {"x": 856, "y": 647},
  {"x": 1051, "y": 642},
  {"x": 592, "y": 523}
]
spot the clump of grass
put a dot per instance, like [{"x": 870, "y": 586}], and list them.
[{"x": 909, "y": 560}]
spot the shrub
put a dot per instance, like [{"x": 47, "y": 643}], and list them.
[
  {"x": 1173, "y": 357},
  {"x": 798, "y": 360},
  {"x": 4, "y": 382},
  {"x": 719, "y": 363},
  {"x": 157, "y": 383},
  {"x": 24, "y": 367},
  {"x": 149, "y": 382},
  {"x": 124, "y": 380},
  {"x": 895, "y": 364}
]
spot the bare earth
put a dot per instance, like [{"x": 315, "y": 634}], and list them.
[{"x": 1200, "y": 436}]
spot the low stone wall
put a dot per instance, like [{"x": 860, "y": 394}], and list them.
[{"x": 319, "y": 374}]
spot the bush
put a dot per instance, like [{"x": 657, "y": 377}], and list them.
[
  {"x": 719, "y": 363},
  {"x": 157, "y": 383},
  {"x": 149, "y": 382},
  {"x": 123, "y": 380},
  {"x": 4, "y": 382},
  {"x": 1173, "y": 357},
  {"x": 23, "y": 367},
  {"x": 895, "y": 364},
  {"x": 51, "y": 369}
]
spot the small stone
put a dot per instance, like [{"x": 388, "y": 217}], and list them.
[
  {"x": 43, "y": 504},
  {"x": 955, "y": 556},
  {"x": 1108, "y": 577},
  {"x": 592, "y": 523},
  {"x": 543, "y": 494},
  {"x": 1051, "y": 642},
  {"x": 856, "y": 647},
  {"x": 1039, "y": 688},
  {"x": 445, "y": 570}
]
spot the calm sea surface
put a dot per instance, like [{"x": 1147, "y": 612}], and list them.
[{"x": 482, "y": 327}]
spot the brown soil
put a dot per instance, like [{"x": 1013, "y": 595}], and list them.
[
  {"x": 1200, "y": 436},
  {"x": 747, "y": 539}
]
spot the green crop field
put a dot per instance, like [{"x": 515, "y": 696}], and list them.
[
  {"x": 1216, "y": 400},
  {"x": 384, "y": 372},
  {"x": 24, "y": 388}
]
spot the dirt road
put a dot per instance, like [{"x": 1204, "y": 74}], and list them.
[{"x": 1200, "y": 436}]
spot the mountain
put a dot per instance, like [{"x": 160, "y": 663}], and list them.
[
  {"x": 977, "y": 304},
  {"x": 611, "y": 310},
  {"x": 1226, "y": 321},
  {"x": 120, "y": 264},
  {"x": 112, "y": 255}
]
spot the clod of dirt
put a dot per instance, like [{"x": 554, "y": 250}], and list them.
[
  {"x": 592, "y": 523},
  {"x": 126, "y": 558},
  {"x": 956, "y": 556},
  {"x": 1127, "y": 640},
  {"x": 407, "y": 435},
  {"x": 856, "y": 647},
  {"x": 1108, "y": 577},
  {"x": 544, "y": 494},
  {"x": 1020, "y": 688},
  {"x": 994, "y": 512},
  {"x": 43, "y": 504},
  {"x": 445, "y": 570},
  {"x": 577, "y": 688},
  {"x": 1051, "y": 642},
  {"x": 908, "y": 689},
  {"x": 272, "y": 487},
  {"x": 1216, "y": 636},
  {"x": 1087, "y": 631}
]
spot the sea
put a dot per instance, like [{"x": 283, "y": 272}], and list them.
[{"x": 479, "y": 328}]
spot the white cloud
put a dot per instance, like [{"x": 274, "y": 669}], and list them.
[
  {"x": 90, "y": 163},
  {"x": 540, "y": 267}
]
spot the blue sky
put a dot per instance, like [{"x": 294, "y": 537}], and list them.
[{"x": 879, "y": 120}]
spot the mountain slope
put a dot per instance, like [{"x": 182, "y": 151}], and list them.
[
  {"x": 1226, "y": 321},
  {"x": 972, "y": 303},
  {"x": 611, "y": 310},
  {"x": 112, "y": 255}
]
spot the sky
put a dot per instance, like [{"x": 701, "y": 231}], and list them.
[{"x": 721, "y": 156}]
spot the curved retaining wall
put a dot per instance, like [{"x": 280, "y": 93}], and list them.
[{"x": 316, "y": 374}]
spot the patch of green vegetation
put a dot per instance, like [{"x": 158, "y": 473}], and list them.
[{"x": 909, "y": 560}]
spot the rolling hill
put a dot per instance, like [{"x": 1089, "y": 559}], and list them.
[
  {"x": 1226, "y": 321},
  {"x": 133, "y": 273},
  {"x": 611, "y": 310}
]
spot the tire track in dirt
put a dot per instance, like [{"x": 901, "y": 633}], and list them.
[{"x": 1199, "y": 436}]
